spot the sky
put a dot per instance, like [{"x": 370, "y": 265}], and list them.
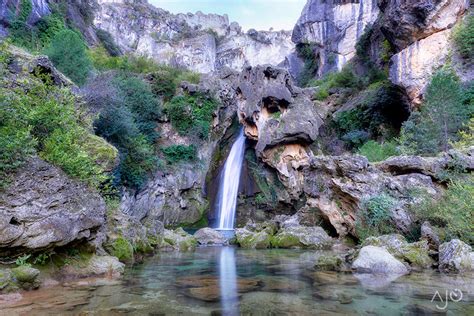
[{"x": 256, "y": 14}]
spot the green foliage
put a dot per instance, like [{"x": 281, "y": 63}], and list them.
[
  {"x": 22, "y": 261},
  {"x": 306, "y": 52},
  {"x": 192, "y": 114},
  {"x": 466, "y": 137},
  {"x": 138, "y": 97},
  {"x": 378, "y": 152},
  {"x": 108, "y": 42},
  {"x": 68, "y": 53},
  {"x": 453, "y": 212},
  {"x": 177, "y": 153},
  {"x": 464, "y": 38},
  {"x": 374, "y": 217},
  {"x": 441, "y": 117},
  {"x": 16, "y": 141},
  {"x": 66, "y": 150},
  {"x": 343, "y": 79},
  {"x": 45, "y": 120},
  {"x": 42, "y": 259},
  {"x": 122, "y": 249},
  {"x": 165, "y": 81}
]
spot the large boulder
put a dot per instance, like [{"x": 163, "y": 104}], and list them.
[
  {"x": 302, "y": 237},
  {"x": 252, "y": 239},
  {"x": 377, "y": 260},
  {"x": 42, "y": 208},
  {"x": 179, "y": 240},
  {"x": 95, "y": 266},
  {"x": 19, "y": 278},
  {"x": 416, "y": 254},
  {"x": 208, "y": 236},
  {"x": 455, "y": 256}
]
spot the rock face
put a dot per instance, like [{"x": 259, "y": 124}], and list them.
[
  {"x": 44, "y": 209},
  {"x": 270, "y": 107},
  {"x": 455, "y": 256},
  {"x": 377, "y": 260},
  {"x": 209, "y": 236},
  {"x": 200, "y": 42},
  {"x": 334, "y": 26}
]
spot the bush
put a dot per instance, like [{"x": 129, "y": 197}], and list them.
[
  {"x": 453, "y": 213},
  {"x": 138, "y": 97},
  {"x": 177, "y": 153},
  {"x": 374, "y": 217},
  {"x": 129, "y": 121},
  {"x": 378, "y": 152},
  {"x": 440, "y": 119},
  {"x": 466, "y": 137},
  {"x": 67, "y": 51},
  {"x": 343, "y": 79},
  {"x": 464, "y": 38},
  {"x": 16, "y": 141},
  {"x": 108, "y": 42},
  {"x": 306, "y": 52},
  {"x": 43, "y": 118},
  {"x": 192, "y": 114}
]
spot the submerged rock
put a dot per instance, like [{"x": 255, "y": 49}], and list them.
[
  {"x": 209, "y": 236},
  {"x": 328, "y": 263},
  {"x": 178, "y": 240},
  {"x": 302, "y": 237},
  {"x": 378, "y": 260},
  {"x": 455, "y": 256}
]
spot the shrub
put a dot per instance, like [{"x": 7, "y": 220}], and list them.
[
  {"x": 138, "y": 97},
  {"x": 177, "y": 153},
  {"x": 453, "y": 213},
  {"x": 343, "y": 79},
  {"x": 16, "y": 141},
  {"x": 67, "y": 51},
  {"x": 108, "y": 42},
  {"x": 192, "y": 114},
  {"x": 374, "y": 217},
  {"x": 306, "y": 52},
  {"x": 441, "y": 117},
  {"x": 165, "y": 81},
  {"x": 466, "y": 137},
  {"x": 464, "y": 38},
  {"x": 66, "y": 150},
  {"x": 378, "y": 152}
]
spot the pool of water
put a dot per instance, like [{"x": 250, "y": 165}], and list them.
[{"x": 232, "y": 281}]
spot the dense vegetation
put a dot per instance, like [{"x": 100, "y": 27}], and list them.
[{"x": 464, "y": 38}]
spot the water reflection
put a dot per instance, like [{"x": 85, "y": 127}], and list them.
[{"x": 228, "y": 281}]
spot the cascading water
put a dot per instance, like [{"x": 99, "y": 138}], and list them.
[{"x": 229, "y": 184}]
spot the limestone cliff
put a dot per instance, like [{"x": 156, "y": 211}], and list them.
[
  {"x": 417, "y": 32},
  {"x": 200, "y": 42}
]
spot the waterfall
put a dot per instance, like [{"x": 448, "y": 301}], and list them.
[{"x": 229, "y": 184}]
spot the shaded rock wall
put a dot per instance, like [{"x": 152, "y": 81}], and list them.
[{"x": 43, "y": 209}]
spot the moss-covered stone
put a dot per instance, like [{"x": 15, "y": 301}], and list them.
[
  {"x": 254, "y": 240},
  {"x": 328, "y": 263},
  {"x": 103, "y": 153},
  {"x": 178, "y": 240},
  {"x": 284, "y": 240},
  {"x": 121, "y": 248},
  {"x": 7, "y": 284},
  {"x": 26, "y": 277}
]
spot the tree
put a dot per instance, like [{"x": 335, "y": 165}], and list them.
[
  {"x": 440, "y": 118},
  {"x": 67, "y": 51}
]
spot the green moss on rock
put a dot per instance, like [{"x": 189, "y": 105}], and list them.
[
  {"x": 328, "y": 263},
  {"x": 122, "y": 249}
]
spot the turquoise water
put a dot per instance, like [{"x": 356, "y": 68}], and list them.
[{"x": 232, "y": 281}]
